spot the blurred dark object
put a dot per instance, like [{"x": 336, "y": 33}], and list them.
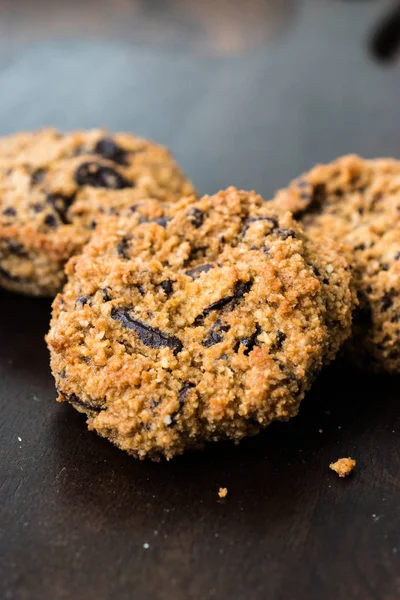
[
  {"x": 385, "y": 42},
  {"x": 216, "y": 27}
]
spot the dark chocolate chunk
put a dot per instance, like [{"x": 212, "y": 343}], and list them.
[
  {"x": 196, "y": 271},
  {"x": 216, "y": 334},
  {"x": 286, "y": 233},
  {"x": 91, "y": 406},
  {"x": 316, "y": 200},
  {"x": 387, "y": 301},
  {"x": 315, "y": 270},
  {"x": 359, "y": 247},
  {"x": 196, "y": 217},
  {"x": 181, "y": 398},
  {"x": 60, "y": 203},
  {"x": 167, "y": 286},
  {"x": 249, "y": 342},
  {"x": 106, "y": 294},
  {"x": 109, "y": 149},
  {"x": 6, "y": 275},
  {"x": 163, "y": 221},
  {"x": 251, "y": 220},
  {"x": 51, "y": 221},
  {"x": 38, "y": 176},
  {"x": 280, "y": 338},
  {"x": 9, "y": 212},
  {"x": 123, "y": 248},
  {"x": 99, "y": 176},
  {"x": 241, "y": 288},
  {"x": 37, "y": 207},
  {"x": 384, "y": 267},
  {"x": 17, "y": 249},
  {"x": 150, "y": 336},
  {"x": 196, "y": 253},
  {"x": 81, "y": 301}
]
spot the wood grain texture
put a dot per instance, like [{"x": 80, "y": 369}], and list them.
[{"x": 75, "y": 513}]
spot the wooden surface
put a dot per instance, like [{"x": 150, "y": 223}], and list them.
[{"x": 76, "y": 513}]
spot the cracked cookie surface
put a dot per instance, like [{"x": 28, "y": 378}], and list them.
[
  {"x": 54, "y": 187},
  {"x": 357, "y": 202},
  {"x": 210, "y": 325}
]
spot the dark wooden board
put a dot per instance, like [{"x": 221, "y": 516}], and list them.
[{"x": 75, "y": 512}]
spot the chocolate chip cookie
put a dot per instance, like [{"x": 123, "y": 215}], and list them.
[
  {"x": 357, "y": 201},
  {"x": 209, "y": 325},
  {"x": 53, "y": 189}
]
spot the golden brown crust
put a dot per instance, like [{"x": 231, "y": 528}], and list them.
[
  {"x": 209, "y": 325},
  {"x": 357, "y": 202},
  {"x": 54, "y": 188}
]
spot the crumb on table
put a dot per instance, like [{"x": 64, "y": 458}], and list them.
[
  {"x": 343, "y": 466},
  {"x": 223, "y": 492}
]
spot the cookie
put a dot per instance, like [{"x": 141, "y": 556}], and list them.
[
  {"x": 53, "y": 189},
  {"x": 212, "y": 324},
  {"x": 357, "y": 201}
]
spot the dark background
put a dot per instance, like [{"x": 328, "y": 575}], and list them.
[{"x": 245, "y": 93}]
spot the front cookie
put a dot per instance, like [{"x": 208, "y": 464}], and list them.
[
  {"x": 55, "y": 187},
  {"x": 211, "y": 324},
  {"x": 357, "y": 202}
]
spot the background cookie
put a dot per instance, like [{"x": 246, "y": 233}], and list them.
[
  {"x": 357, "y": 201},
  {"x": 54, "y": 187},
  {"x": 210, "y": 325}
]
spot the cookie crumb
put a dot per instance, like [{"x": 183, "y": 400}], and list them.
[
  {"x": 343, "y": 466},
  {"x": 223, "y": 492}
]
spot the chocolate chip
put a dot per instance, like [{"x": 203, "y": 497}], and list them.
[
  {"x": 123, "y": 248},
  {"x": 73, "y": 399},
  {"x": 216, "y": 334},
  {"x": 108, "y": 148},
  {"x": 280, "y": 338},
  {"x": 384, "y": 267},
  {"x": 249, "y": 342},
  {"x": 106, "y": 294},
  {"x": 167, "y": 286},
  {"x": 81, "y": 301},
  {"x": 241, "y": 288},
  {"x": 251, "y": 220},
  {"x": 6, "y": 275},
  {"x": 37, "y": 207},
  {"x": 163, "y": 221},
  {"x": 196, "y": 217},
  {"x": 60, "y": 203},
  {"x": 51, "y": 221},
  {"x": 196, "y": 253},
  {"x": 150, "y": 336},
  {"x": 181, "y": 399},
  {"x": 17, "y": 249},
  {"x": 9, "y": 212},
  {"x": 387, "y": 301},
  {"x": 286, "y": 233},
  {"x": 196, "y": 271},
  {"x": 359, "y": 247},
  {"x": 38, "y": 176},
  {"x": 315, "y": 270},
  {"x": 99, "y": 176},
  {"x": 315, "y": 201}
]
